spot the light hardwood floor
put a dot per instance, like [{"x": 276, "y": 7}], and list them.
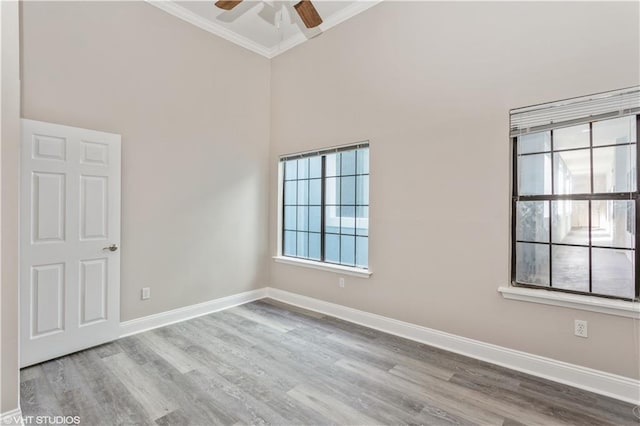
[{"x": 268, "y": 363}]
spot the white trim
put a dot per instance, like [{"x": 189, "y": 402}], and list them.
[
  {"x": 185, "y": 14},
  {"x": 329, "y": 22},
  {"x": 619, "y": 308},
  {"x": 13, "y": 417},
  {"x": 600, "y": 382},
  {"x": 339, "y": 269},
  {"x": 139, "y": 325},
  {"x": 279, "y": 223}
]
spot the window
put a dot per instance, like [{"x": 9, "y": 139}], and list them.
[
  {"x": 575, "y": 201},
  {"x": 325, "y": 206}
]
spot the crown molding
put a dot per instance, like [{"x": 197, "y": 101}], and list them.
[
  {"x": 185, "y": 14},
  {"x": 330, "y": 22},
  {"x": 173, "y": 8}
]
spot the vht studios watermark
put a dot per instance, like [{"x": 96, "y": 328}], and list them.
[{"x": 47, "y": 420}]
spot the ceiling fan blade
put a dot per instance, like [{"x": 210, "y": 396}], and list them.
[
  {"x": 227, "y": 4},
  {"x": 308, "y": 13}
]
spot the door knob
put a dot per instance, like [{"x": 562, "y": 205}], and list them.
[{"x": 112, "y": 247}]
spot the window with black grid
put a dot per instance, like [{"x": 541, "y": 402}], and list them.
[
  {"x": 325, "y": 211},
  {"x": 575, "y": 207}
]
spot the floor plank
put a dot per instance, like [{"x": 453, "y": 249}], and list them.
[{"x": 142, "y": 387}]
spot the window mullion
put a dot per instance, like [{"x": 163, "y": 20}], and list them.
[
  {"x": 590, "y": 202},
  {"x": 355, "y": 208},
  {"x": 637, "y": 210},
  {"x": 553, "y": 191},
  {"x": 514, "y": 201},
  {"x": 323, "y": 178}
]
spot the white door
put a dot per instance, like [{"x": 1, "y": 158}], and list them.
[{"x": 69, "y": 240}]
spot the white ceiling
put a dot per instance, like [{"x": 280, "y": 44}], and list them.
[{"x": 266, "y": 27}]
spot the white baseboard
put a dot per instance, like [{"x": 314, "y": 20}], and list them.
[
  {"x": 600, "y": 382},
  {"x": 13, "y": 417},
  {"x": 138, "y": 325}
]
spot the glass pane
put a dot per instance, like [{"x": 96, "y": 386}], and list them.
[
  {"x": 303, "y": 248},
  {"x": 303, "y": 168},
  {"x": 289, "y": 248},
  {"x": 571, "y": 137},
  {"x": 332, "y": 248},
  {"x": 314, "y": 246},
  {"x": 532, "y": 263},
  {"x": 613, "y": 223},
  {"x": 291, "y": 169},
  {"x": 363, "y": 161},
  {"x": 348, "y": 163},
  {"x": 332, "y": 191},
  {"x": 572, "y": 172},
  {"x": 303, "y": 218},
  {"x": 618, "y": 130},
  {"x": 332, "y": 165},
  {"x": 362, "y": 220},
  {"x": 315, "y": 167},
  {"x": 612, "y": 272},
  {"x": 570, "y": 222},
  {"x": 534, "y": 142},
  {"x": 290, "y": 193},
  {"x": 332, "y": 219},
  {"x": 362, "y": 190},
  {"x": 614, "y": 169},
  {"x": 362, "y": 252},
  {"x": 570, "y": 268},
  {"x": 348, "y": 190},
  {"x": 532, "y": 221},
  {"x": 347, "y": 250},
  {"x": 290, "y": 218},
  {"x": 314, "y": 219},
  {"x": 347, "y": 220},
  {"x": 534, "y": 174},
  {"x": 315, "y": 189},
  {"x": 303, "y": 192}
]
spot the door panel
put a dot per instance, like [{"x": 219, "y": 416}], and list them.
[
  {"x": 49, "y": 148},
  {"x": 70, "y": 210},
  {"x": 48, "y": 299},
  {"x": 48, "y": 207},
  {"x": 93, "y": 208},
  {"x": 93, "y": 291}
]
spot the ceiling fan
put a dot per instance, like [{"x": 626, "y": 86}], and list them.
[{"x": 307, "y": 11}]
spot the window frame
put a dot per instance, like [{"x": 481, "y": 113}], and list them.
[
  {"x": 321, "y": 263},
  {"x": 592, "y": 196}
]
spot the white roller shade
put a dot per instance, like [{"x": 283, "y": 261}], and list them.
[{"x": 574, "y": 111}]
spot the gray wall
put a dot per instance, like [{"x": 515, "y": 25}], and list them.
[
  {"x": 193, "y": 112},
  {"x": 430, "y": 85}
]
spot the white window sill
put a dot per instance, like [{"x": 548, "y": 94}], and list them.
[
  {"x": 619, "y": 308},
  {"x": 345, "y": 270}
]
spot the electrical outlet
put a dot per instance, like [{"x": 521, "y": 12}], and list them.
[
  {"x": 146, "y": 293},
  {"x": 341, "y": 282},
  {"x": 580, "y": 329}
]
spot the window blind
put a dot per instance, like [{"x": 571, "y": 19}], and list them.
[
  {"x": 569, "y": 112},
  {"x": 324, "y": 151}
]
